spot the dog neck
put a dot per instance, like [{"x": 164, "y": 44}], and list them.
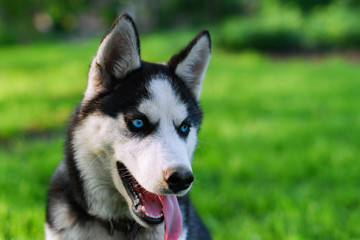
[{"x": 129, "y": 227}]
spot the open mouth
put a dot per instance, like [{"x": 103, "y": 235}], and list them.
[
  {"x": 152, "y": 208},
  {"x": 146, "y": 205}
]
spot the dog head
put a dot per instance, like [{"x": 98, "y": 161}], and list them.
[{"x": 139, "y": 125}]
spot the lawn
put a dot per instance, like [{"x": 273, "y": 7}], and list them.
[{"x": 278, "y": 152}]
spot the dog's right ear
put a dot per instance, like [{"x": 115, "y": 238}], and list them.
[
  {"x": 118, "y": 54},
  {"x": 191, "y": 63}
]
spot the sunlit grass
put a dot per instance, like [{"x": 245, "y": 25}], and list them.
[
  {"x": 277, "y": 155},
  {"x": 282, "y": 139}
]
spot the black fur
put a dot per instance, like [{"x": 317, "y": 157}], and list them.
[
  {"x": 196, "y": 228},
  {"x": 122, "y": 96},
  {"x": 132, "y": 90}
]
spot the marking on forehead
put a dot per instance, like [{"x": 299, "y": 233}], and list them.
[{"x": 163, "y": 103}]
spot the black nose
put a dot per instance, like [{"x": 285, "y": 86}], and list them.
[{"x": 179, "y": 180}]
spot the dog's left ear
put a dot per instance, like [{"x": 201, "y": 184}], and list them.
[
  {"x": 191, "y": 63},
  {"x": 118, "y": 55}
]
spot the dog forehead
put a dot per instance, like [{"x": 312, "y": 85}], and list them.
[{"x": 164, "y": 102}]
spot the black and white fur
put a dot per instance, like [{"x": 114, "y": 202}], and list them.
[{"x": 86, "y": 196}]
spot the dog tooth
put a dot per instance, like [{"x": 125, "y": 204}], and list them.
[
  {"x": 136, "y": 202},
  {"x": 152, "y": 216},
  {"x": 141, "y": 208}
]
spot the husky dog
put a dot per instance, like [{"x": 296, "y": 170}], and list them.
[{"x": 127, "y": 166}]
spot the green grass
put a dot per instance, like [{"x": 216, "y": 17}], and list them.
[{"x": 277, "y": 155}]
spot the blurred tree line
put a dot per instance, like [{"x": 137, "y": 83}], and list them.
[{"x": 259, "y": 24}]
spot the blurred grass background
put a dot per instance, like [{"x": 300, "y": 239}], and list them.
[{"x": 278, "y": 153}]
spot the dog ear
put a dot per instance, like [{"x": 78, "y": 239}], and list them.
[
  {"x": 191, "y": 63},
  {"x": 118, "y": 54}
]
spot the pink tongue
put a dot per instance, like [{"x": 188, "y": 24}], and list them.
[{"x": 172, "y": 216}]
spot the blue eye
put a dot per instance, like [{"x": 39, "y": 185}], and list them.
[
  {"x": 138, "y": 123},
  {"x": 184, "y": 128}
]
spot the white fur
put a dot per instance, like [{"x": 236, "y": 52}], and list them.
[
  {"x": 95, "y": 140},
  {"x": 193, "y": 68},
  {"x": 74, "y": 230},
  {"x": 163, "y": 101},
  {"x": 183, "y": 234},
  {"x": 94, "y": 153},
  {"x": 163, "y": 150},
  {"x": 50, "y": 234},
  {"x": 88, "y": 230},
  {"x": 101, "y": 141}
]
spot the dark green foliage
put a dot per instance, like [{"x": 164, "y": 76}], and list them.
[
  {"x": 271, "y": 25},
  {"x": 279, "y": 28},
  {"x": 335, "y": 27},
  {"x": 19, "y": 15},
  {"x": 307, "y": 5}
]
